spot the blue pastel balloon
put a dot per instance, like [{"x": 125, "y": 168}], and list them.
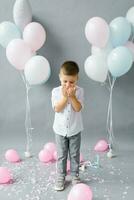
[
  {"x": 120, "y": 30},
  {"x": 119, "y": 61},
  {"x": 8, "y": 32}
]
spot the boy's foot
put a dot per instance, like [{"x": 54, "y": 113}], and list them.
[
  {"x": 76, "y": 180},
  {"x": 60, "y": 184}
]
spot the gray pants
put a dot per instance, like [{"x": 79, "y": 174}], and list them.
[{"x": 71, "y": 146}]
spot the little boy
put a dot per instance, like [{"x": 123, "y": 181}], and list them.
[{"x": 67, "y": 102}]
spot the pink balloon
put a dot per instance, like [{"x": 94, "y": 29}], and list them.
[
  {"x": 68, "y": 166},
  {"x": 34, "y": 35},
  {"x": 80, "y": 191},
  {"x": 97, "y": 31},
  {"x": 18, "y": 53},
  {"x": 130, "y": 46},
  {"x": 5, "y": 175},
  {"x": 101, "y": 146},
  {"x": 51, "y": 147},
  {"x": 45, "y": 156},
  {"x": 11, "y": 155},
  {"x": 55, "y": 157}
]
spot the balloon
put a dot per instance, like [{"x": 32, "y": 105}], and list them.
[
  {"x": 96, "y": 68},
  {"x": 130, "y": 15},
  {"x": 80, "y": 191},
  {"x": 37, "y": 70},
  {"x": 120, "y": 31},
  {"x": 119, "y": 61},
  {"x": 5, "y": 175},
  {"x": 34, "y": 35},
  {"x": 22, "y": 13},
  {"x": 102, "y": 51},
  {"x": 45, "y": 156},
  {"x": 130, "y": 46},
  {"x": 11, "y": 155},
  {"x": 97, "y": 31},
  {"x": 18, "y": 53},
  {"x": 51, "y": 147},
  {"x": 55, "y": 157},
  {"x": 68, "y": 166},
  {"x": 8, "y": 32},
  {"x": 101, "y": 146}
]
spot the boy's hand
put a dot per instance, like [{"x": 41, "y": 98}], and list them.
[
  {"x": 71, "y": 91},
  {"x": 64, "y": 91}
]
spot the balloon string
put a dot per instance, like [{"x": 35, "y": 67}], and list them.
[
  {"x": 28, "y": 126},
  {"x": 109, "y": 125},
  {"x": 94, "y": 164}
]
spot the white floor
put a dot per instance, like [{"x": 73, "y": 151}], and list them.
[{"x": 112, "y": 179}]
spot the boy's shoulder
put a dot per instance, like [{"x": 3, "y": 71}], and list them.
[
  {"x": 79, "y": 88},
  {"x": 56, "y": 89}
]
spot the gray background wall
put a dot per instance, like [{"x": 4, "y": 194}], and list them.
[{"x": 64, "y": 22}]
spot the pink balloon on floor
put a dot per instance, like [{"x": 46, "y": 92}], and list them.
[
  {"x": 45, "y": 156},
  {"x": 68, "y": 166},
  {"x": 5, "y": 175},
  {"x": 11, "y": 155},
  {"x": 51, "y": 147},
  {"x": 80, "y": 192},
  {"x": 101, "y": 146},
  {"x": 55, "y": 157}
]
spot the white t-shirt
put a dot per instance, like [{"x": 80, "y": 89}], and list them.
[{"x": 67, "y": 122}]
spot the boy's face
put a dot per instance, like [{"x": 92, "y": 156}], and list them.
[{"x": 68, "y": 80}]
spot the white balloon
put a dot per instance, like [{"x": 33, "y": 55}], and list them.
[
  {"x": 22, "y": 13},
  {"x": 96, "y": 68},
  {"x": 97, "y": 31},
  {"x": 102, "y": 51},
  {"x": 130, "y": 15},
  {"x": 37, "y": 70},
  {"x": 34, "y": 35},
  {"x": 8, "y": 32}
]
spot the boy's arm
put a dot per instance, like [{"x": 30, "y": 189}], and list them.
[
  {"x": 75, "y": 103},
  {"x": 60, "y": 105}
]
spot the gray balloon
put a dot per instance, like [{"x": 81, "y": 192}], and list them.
[{"x": 22, "y": 13}]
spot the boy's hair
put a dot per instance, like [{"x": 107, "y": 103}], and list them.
[{"x": 69, "y": 68}]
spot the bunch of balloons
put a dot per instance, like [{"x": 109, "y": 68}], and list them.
[
  {"x": 112, "y": 54},
  {"x": 112, "y": 46},
  {"x": 22, "y": 39}
]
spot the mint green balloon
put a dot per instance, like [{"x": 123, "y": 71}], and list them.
[
  {"x": 8, "y": 32},
  {"x": 120, "y": 31},
  {"x": 119, "y": 61}
]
